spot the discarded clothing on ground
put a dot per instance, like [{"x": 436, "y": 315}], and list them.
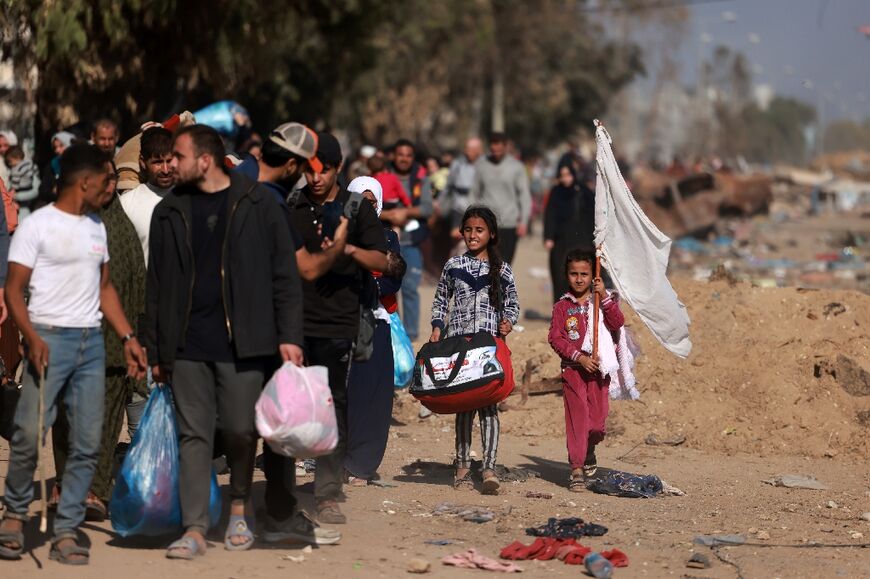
[
  {"x": 570, "y": 528},
  {"x": 567, "y": 550},
  {"x": 623, "y": 484},
  {"x": 471, "y": 559},
  {"x": 507, "y": 473},
  {"x": 515, "y": 474},
  {"x": 465, "y": 512}
]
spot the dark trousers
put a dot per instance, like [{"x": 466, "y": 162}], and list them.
[
  {"x": 507, "y": 243},
  {"x": 557, "y": 270},
  {"x": 370, "y": 406},
  {"x": 207, "y": 392},
  {"x": 335, "y": 354}
]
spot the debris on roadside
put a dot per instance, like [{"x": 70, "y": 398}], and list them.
[{"x": 796, "y": 481}]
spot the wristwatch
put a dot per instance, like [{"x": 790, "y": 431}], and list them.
[{"x": 127, "y": 338}]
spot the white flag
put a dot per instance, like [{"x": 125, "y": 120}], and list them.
[{"x": 635, "y": 254}]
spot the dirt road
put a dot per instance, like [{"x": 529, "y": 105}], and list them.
[{"x": 733, "y": 443}]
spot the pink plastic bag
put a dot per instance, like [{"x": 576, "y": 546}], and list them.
[{"x": 295, "y": 413}]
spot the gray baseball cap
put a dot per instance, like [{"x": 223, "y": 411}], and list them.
[{"x": 299, "y": 140}]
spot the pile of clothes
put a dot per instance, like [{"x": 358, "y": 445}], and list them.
[{"x": 567, "y": 550}]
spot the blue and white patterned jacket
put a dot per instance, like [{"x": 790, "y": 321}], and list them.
[{"x": 465, "y": 279}]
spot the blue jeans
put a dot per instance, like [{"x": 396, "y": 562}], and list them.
[
  {"x": 410, "y": 290},
  {"x": 75, "y": 374}
]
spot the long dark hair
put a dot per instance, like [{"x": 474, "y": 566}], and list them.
[{"x": 495, "y": 260}]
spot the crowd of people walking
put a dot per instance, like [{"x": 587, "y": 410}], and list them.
[{"x": 171, "y": 261}]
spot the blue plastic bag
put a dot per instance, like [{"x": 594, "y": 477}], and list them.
[
  {"x": 403, "y": 353},
  {"x": 145, "y": 500},
  {"x": 223, "y": 116}
]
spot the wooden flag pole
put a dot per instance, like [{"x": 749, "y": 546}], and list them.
[
  {"x": 40, "y": 436},
  {"x": 596, "y": 307}
]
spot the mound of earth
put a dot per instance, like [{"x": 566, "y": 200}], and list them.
[{"x": 773, "y": 371}]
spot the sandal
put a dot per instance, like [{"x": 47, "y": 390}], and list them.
[
  {"x": 490, "y": 483},
  {"x": 463, "y": 483},
  {"x": 185, "y": 548},
  {"x": 355, "y": 481},
  {"x": 95, "y": 509},
  {"x": 65, "y": 555},
  {"x": 576, "y": 482},
  {"x": 11, "y": 537},
  {"x": 238, "y": 527},
  {"x": 590, "y": 465}
]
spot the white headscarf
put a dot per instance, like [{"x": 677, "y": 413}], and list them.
[
  {"x": 362, "y": 184},
  {"x": 65, "y": 137},
  {"x": 11, "y": 137}
]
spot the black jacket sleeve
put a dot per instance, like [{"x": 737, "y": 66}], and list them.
[
  {"x": 550, "y": 215},
  {"x": 286, "y": 284},
  {"x": 148, "y": 329}
]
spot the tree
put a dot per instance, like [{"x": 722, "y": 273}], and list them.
[
  {"x": 775, "y": 134},
  {"x": 134, "y": 60},
  {"x": 439, "y": 65},
  {"x": 847, "y": 136},
  {"x": 381, "y": 69}
]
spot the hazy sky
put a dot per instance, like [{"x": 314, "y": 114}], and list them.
[{"x": 810, "y": 49}]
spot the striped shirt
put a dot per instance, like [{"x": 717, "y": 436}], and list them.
[{"x": 465, "y": 279}]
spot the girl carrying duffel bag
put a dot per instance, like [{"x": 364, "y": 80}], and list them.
[
  {"x": 468, "y": 371},
  {"x": 463, "y": 373}
]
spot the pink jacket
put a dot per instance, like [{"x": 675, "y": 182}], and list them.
[{"x": 568, "y": 326}]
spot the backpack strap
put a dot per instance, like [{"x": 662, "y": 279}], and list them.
[
  {"x": 293, "y": 197},
  {"x": 351, "y": 208}
]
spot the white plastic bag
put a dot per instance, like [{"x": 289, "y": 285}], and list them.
[{"x": 296, "y": 414}]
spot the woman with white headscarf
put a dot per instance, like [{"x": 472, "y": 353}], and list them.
[
  {"x": 370, "y": 384},
  {"x": 60, "y": 141}
]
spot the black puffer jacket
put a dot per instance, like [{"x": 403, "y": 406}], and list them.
[{"x": 260, "y": 283}]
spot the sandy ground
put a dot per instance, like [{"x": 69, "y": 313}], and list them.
[{"x": 747, "y": 401}]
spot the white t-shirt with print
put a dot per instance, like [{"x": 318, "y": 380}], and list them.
[
  {"x": 139, "y": 204},
  {"x": 66, "y": 253}
]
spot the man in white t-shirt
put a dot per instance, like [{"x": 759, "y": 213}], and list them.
[
  {"x": 61, "y": 254},
  {"x": 155, "y": 163}
]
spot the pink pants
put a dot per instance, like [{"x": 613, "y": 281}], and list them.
[{"x": 586, "y": 407}]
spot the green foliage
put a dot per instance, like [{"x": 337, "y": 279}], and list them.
[
  {"x": 412, "y": 68},
  {"x": 775, "y": 134},
  {"x": 847, "y": 136}
]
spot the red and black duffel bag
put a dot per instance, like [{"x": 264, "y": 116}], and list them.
[{"x": 463, "y": 373}]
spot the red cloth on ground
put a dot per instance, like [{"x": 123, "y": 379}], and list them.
[{"x": 617, "y": 557}]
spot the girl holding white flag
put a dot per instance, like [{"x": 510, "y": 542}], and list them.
[{"x": 587, "y": 375}]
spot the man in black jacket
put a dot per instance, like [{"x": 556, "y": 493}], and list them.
[{"x": 223, "y": 298}]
